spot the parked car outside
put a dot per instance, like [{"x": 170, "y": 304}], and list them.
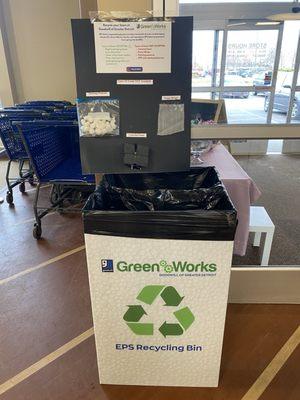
[
  {"x": 282, "y": 98},
  {"x": 234, "y": 80},
  {"x": 262, "y": 79},
  {"x": 245, "y": 73},
  {"x": 282, "y": 101}
]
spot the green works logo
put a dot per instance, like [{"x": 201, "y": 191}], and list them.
[
  {"x": 182, "y": 319},
  {"x": 164, "y": 266}
]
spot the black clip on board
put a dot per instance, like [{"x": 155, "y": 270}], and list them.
[{"x": 154, "y": 128}]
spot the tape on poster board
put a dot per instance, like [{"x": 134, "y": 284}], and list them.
[
  {"x": 135, "y": 82},
  {"x": 171, "y": 98},
  {"x": 97, "y": 94},
  {"x": 136, "y": 135}
]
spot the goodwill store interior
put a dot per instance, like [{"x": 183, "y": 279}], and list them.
[{"x": 149, "y": 199}]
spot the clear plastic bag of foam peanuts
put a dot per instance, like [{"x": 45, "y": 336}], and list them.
[{"x": 98, "y": 117}]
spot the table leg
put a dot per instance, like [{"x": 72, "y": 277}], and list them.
[
  {"x": 267, "y": 249},
  {"x": 257, "y": 237}
]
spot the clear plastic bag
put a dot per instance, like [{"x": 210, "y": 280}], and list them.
[
  {"x": 170, "y": 119},
  {"x": 200, "y": 147},
  {"x": 96, "y": 16},
  {"x": 98, "y": 117}
]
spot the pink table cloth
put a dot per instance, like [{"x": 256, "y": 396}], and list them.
[{"x": 240, "y": 187}]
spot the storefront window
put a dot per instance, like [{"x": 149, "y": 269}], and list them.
[
  {"x": 295, "y": 117},
  {"x": 202, "y": 95},
  {"x": 203, "y": 50},
  {"x": 248, "y": 66},
  {"x": 246, "y": 107},
  {"x": 250, "y": 57},
  {"x": 281, "y": 97}
]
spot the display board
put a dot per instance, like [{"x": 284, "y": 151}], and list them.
[{"x": 134, "y": 120}]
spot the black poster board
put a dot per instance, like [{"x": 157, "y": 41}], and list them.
[{"x": 139, "y": 106}]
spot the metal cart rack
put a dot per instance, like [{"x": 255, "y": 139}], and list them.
[
  {"x": 64, "y": 114},
  {"x": 50, "y": 112},
  {"x": 53, "y": 149},
  {"x": 38, "y": 107},
  {"x": 15, "y": 150},
  {"x": 50, "y": 103}
]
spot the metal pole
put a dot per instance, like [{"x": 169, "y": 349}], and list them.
[
  {"x": 223, "y": 61},
  {"x": 275, "y": 74},
  {"x": 294, "y": 83},
  {"x": 215, "y": 62}
]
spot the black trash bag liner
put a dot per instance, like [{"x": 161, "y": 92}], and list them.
[
  {"x": 166, "y": 199},
  {"x": 182, "y": 205},
  {"x": 193, "y": 179},
  {"x": 199, "y": 189}
]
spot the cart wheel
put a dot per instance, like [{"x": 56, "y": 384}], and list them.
[
  {"x": 9, "y": 198},
  {"x": 54, "y": 196},
  {"x": 37, "y": 232},
  {"x": 22, "y": 187},
  {"x": 31, "y": 181}
]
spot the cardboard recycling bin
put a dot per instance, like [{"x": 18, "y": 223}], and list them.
[{"x": 159, "y": 250}]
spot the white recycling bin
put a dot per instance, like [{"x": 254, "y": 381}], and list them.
[{"x": 159, "y": 251}]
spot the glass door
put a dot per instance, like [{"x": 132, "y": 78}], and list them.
[{"x": 248, "y": 72}]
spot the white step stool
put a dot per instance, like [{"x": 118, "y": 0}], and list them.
[{"x": 260, "y": 222}]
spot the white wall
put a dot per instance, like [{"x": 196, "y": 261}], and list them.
[
  {"x": 41, "y": 48},
  {"x": 87, "y": 6},
  {"x": 291, "y": 147},
  {"x": 125, "y": 5}
]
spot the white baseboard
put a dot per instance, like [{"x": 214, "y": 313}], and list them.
[{"x": 265, "y": 285}]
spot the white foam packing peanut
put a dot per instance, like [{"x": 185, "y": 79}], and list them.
[{"x": 99, "y": 123}]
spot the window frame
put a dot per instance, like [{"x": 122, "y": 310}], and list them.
[
  {"x": 221, "y": 88},
  {"x": 211, "y": 17}
]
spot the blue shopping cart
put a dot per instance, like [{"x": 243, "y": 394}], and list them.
[
  {"x": 50, "y": 103},
  {"x": 44, "y": 111},
  {"x": 53, "y": 150},
  {"x": 29, "y": 111},
  {"x": 38, "y": 107},
  {"x": 49, "y": 112},
  {"x": 15, "y": 112},
  {"x": 16, "y": 151},
  {"x": 64, "y": 114}
]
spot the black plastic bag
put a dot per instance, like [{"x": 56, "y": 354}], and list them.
[
  {"x": 167, "y": 205},
  {"x": 167, "y": 199}
]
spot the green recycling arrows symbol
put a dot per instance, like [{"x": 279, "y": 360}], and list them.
[{"x": 172, "y": 298}]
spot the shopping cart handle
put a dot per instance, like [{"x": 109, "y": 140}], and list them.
[
  {"x": 47, "y": 122},
  {"x": 18, "y": 111}
]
